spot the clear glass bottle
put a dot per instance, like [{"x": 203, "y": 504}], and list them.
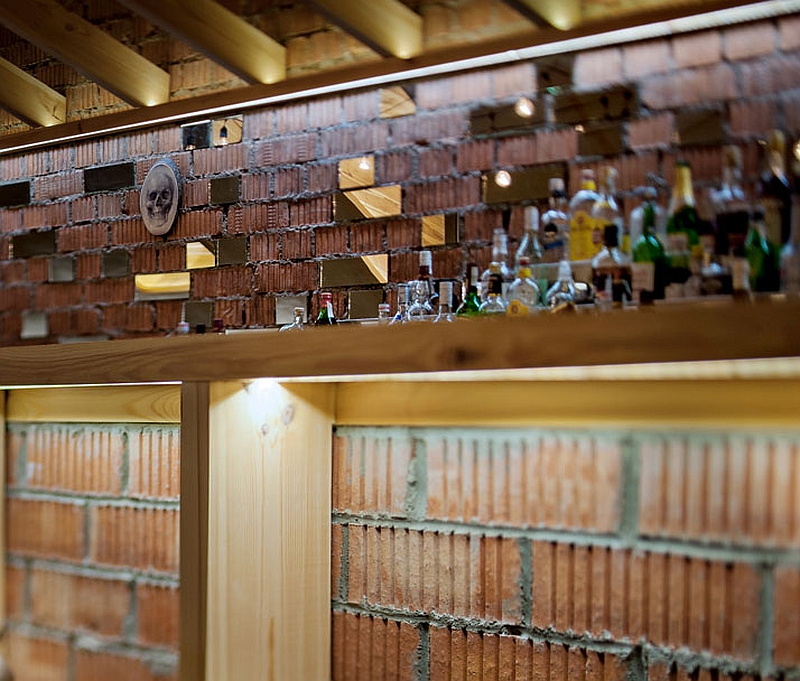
[
  {"x": 606, "y": 209},
  {"x": 529, "y": 246},
  {"x": 584, "y": 243},
  {"x": 499, "y": 256},
  {"x": 683, "y": 244},
  {"x": 649, "y": 269},
  {"x": 763, "y": 257},
  {"x": 523, "y": 293},
  {"x": 325, "y": 317},
  {"x": 611, "y": 271},
  {"x": 401, "y": 316},
  {"x": 470, "y": 303},
  {"x": 445, "y": 313},
  {"x": 297, "y": 324},
  {"x": 384, "y": 314},
  {"x": 561, "y": 295},
  {"x": 494, "y": 303},
  {"x": 555, "y": 224},
  {"x": 790, "y": 253},
  {"x": 420, "y": 290},
  {"x": 774, "y": 191}
]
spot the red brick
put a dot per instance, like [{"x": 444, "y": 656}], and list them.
[
  {"x": 789, "y": 32},
  {"x": 110, "y": 205},
  {"x": 296, "y": 277},
  {"x": 598, "y": 67},
  {"x": 443, "y": 194},
  {"x": 99, "y": 666},
  {"x": 45, "y": 529},
  {"x": 145, "y": 538},
  {"x": 769, "y": 75},
  {"x": 749, "y": 40},
  {"x": 513, "y": 80},
  {"x": 83, "y": 209},
  {"x": 158, "y": 615},
  {"x": 198, "y": 223},
  {"x": 435, "y": 93},
  {"x": 227, "y": 281},
  {"x": 697, "y": 49},
  {"x": 109, "y": 291},
  {"x": 646, "y": 59},
  {"x": 787, "y": 616},
  {"x": 82, "y": 238},
  {"x": 76, "y": 603},
  {"x": 15, "y": 592},
  {"x": 690, "y": 87},
  {"x": 311, "y": 212},
  {"x": 655, "y": 131},
  {"x": 154, "y": 463},
  {"x": 429, "y": 128},
  {"x": 37, "y": 659},
  {"x": 514, "y": 151},
  {"x": 393, "y": 166}
]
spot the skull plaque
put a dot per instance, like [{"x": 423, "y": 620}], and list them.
[{"x": 160, "y": 197}]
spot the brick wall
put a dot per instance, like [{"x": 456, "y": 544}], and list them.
[
  {"x": 564, "y": 555},
  {"x": 92, "y": 565}
]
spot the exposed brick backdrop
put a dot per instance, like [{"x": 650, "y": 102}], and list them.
[
  {"x": 563, "y": 555},
  {"x": 682, "y": 96},
  {"x": 92, "y": 558}
]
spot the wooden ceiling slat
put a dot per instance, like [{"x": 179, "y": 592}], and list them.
[
  {"x": 29, "y": 99},
  {"x": 89, "y": 50},
  {"x": 219, "y": 34},
  {"x": 387, "y": 26}
]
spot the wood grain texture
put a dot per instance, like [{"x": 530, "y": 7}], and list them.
[
  {"x": 194, "y": 529},
  {"x": 88, "y": 49},
  {"x": 30, "y": 99},
  {"x": 222, "y": 36},
  {"x": 619, "y": 403},
  {"x": 672, "y": 334},
  {"x": 269, "y": 532},
  {"x": 97, "y": 404},
  {"x": 3, "y": 605}
]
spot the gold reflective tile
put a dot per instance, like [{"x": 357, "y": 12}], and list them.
[
  {"x": 357, "y": 172},
  {"x": 158, "y": 286},
  {"x": 199, "y": 255},
  {"x": 375, "y": 202},
  {"x": 358, "y": 271}
]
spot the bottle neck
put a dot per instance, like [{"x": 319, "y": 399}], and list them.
[{"x": 682, "y": 192}]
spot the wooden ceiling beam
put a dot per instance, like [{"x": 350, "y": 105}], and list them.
[
  {"x": 219, "y": 34},
  {"x": 29, "y": 99},
  {"x": 387, "y": 26},
  {"x": 560, "y": 14},
  {"x": 87, "y": 49}
]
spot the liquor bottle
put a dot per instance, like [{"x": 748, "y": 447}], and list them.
[
  {"x": 763, "y": 257},
  {"x": 774, "y": 191},
  {"x": 649, "y": 195},
  {"x": 529, "y": 246},
  {"x": 584, "y": 243},
  {"x": 649, "y": 268},
  {"x": 790, "y": 254},
  {"x": 325, "y": 317},
  {"x": 611, "y": 271},
  {"x": 523, "y": 294},
  {"x": 445, "y": 313},
  {"x": 426, "y": 260},
  {"x": 297, "y": 324},
  {"x": 682, "y": 240},
  {"x": 494, "y": 303},
  {"x": 561, "y": 295},
  {"x": 401, "y": 316},
  {"x": 420, "y": 290},
  {"x": 384, "y": 314},
  {"x": 470, "y": 303},
  {"x": 555, "y": 224},
  {"x": 731, "y": 210},
  {"x": 606, "y": 210},
  {"x": 499, "y": 256}
]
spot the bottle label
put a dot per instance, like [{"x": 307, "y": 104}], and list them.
[
  {"x": 580, "y": 228},
  {"x": 643, "y": 276},
  {"x": 773, "y": 219},
  {"x": 740, "y": 274},
  {"x": 677, "y": 242},
  {"x": 516, "y": 308}
]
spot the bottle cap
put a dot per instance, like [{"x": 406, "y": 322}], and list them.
[
  {"x": 325, "y": 296},
  {"x": 555, "y": 184},
  {"x": 524, "y": 261},
  {"x": 776, "y": 141},
  {"x": 587, "y": 174},
  {"x": 384, "y": 307},
  {"x": 425, "y": 258}
]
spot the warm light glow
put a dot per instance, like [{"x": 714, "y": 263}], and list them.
[
  {"x": 364, "y": 164},
  {"x": 502, "y": 179},
  {"x": 524, "y": 107},
  {"x": 580, "y": 129},
  {"x": 796, "y": 150}
]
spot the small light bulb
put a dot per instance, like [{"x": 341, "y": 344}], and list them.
[
  {"x": 524, "y": 107},
  {"x": 502, "y": 179},
  {"x": 580, "y": 129},
  {"x": 364, "y": 164}
]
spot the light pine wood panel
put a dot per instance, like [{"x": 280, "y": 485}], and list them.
[
  {"x": 194, "y": 529},
  {"x": 388, "y": 26},
  {"x": 97, "y": 404},
  {"x": 269, "y": 532},
  {"x": 672, "y": 334},
  {"x": 224, "y": 37},
  {"x": 562, "y": 14},
  {"x": 623, "y": 403},
  {"x": 87, "y": 49},
  {"x": 30, "y": 99}
]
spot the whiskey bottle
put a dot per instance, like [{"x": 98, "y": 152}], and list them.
[
  {"x": 584, "y": 242},
  {"x": 555, "y": 224},
  {"x": 774, "y": 191}
]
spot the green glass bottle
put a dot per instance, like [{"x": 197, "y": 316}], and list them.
[
  {"x": 650, "y": 267},
  {"x": 683, "y": 242},
  {"x": 470, "y": 303},
  {"x": 763, "y": 257}
]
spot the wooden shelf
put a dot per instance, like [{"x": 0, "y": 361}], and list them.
[{"x": 513, "y": 348}]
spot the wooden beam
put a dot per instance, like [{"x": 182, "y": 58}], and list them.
[
  {"x": 269, "y": 532},
  {"x": 560, "y": 14},
  {"x": 194, "y": 530},
  {"x": 218, "y": 33},
  {"x": 30, "y": 99},
  {"x": 387, "y": 26},
  {"x": 87, "y": 49}
]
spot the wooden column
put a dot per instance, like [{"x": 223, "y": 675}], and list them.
[{"x": 269, "y": 531}]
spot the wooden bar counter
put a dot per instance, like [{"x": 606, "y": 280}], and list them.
[{"x": 257, "y": 411}]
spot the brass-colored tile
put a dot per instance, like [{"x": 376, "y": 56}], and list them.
[
  {"x": 618, "y": 103},
  {"x": 364, "y": 304},
  {"x": 602, "y": 140},
  {"x": 284, "y": 308},
  {"x": 199, "y": 255},
  {"x": 357, "y": 172},
  {"x": 486, "y": 120},
  {"x": 197, "y": 312},
  {"x": 700, "y": 127},
  {"x": 225, "y": 190},
  {"x": 232, "y": 251},
  {"x": 529, "y": 184},
  {"x": 116, "y": 263},
  {"x": 433, "y": 230},
  {"x": 375, "y": 202},
  {"x": 396, "y": 102},
  {"x": 358, "y": 271},
  {"x": 162, "y": 286}
]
